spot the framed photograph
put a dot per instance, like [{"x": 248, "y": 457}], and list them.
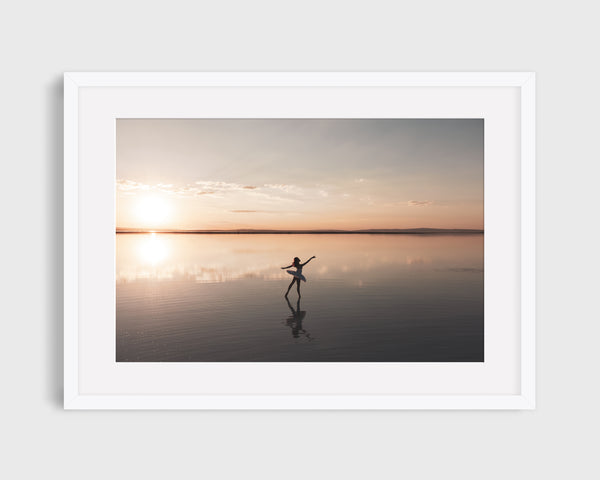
[{"x": 299, "y": 240}]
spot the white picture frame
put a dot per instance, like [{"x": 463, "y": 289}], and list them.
[{"x": 92, "y": 99}]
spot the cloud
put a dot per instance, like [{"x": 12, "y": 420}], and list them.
[
  {"x": 130, "y": 185},
  {"x": 274, "y": 212},
  {"x": 293, "y": 192},
  {"x": 223, "y": 186},
  {"x": 193, "y": 191},
  {"x": 420, "y": 203},
  {"x": 284, "y": 188},
  {"x": 359, "y": 180},
  {"x": 280, "y": 192},
  {"x": 270, "y": 197},
  {"x": 200, "y": 188},
  {"x": 214, "y": 189}
]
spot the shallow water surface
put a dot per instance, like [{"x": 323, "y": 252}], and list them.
[{"x": 368, "y": 298}]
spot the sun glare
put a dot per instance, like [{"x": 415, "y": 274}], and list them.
[
  {"x": 153, "y": 249},
  {"x": 152, "y": 211}
]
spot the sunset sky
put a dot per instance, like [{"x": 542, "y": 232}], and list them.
[{"x": 299, "y": 174}]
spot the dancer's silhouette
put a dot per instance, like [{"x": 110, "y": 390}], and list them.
[{"x": 297, "y": 274}]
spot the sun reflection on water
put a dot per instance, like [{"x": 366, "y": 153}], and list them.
[
  {"x": 353, "y": 259},
  {"x": 153, "y": 249}
]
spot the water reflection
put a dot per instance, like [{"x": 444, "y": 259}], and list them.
[
  {"x": 295, "y": 321},
  {"x": 223, "y": 258},
  {"x": 372, "y": 298},
  {"x": 153, "y": 249}
]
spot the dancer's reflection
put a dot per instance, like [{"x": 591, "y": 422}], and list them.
[{"x": 295, "y": 321}]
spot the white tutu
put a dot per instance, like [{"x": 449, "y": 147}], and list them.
[{"x": 297, "y": 275}]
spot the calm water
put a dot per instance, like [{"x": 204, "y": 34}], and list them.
[{"x": 220, "y": 298}]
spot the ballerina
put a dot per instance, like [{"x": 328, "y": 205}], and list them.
[{"x": 297, "y": 274}]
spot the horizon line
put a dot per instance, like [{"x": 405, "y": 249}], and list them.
[{"x": 298, "y": 231}]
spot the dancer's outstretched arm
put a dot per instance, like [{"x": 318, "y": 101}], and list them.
[
  {"x": 289, "y": 266},
  {"x": 302, "y": 264}
]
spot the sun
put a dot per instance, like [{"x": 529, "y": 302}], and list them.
[{"x": 152, "y": 210}]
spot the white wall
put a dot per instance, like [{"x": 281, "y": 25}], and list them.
[{"x": 40, "y": 40}]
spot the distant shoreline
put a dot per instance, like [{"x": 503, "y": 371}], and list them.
[{"x": 407, "y": 231}]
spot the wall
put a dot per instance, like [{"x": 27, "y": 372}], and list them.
[{"x": 40, "y": 40}]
